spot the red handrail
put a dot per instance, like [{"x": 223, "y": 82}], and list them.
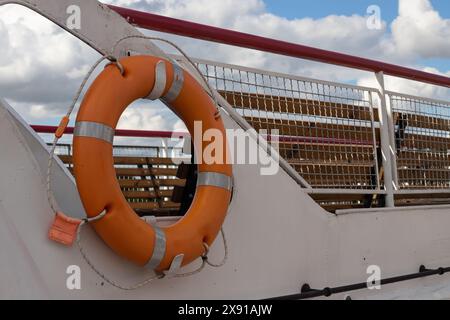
[
  {"x": 173, "y": 134},
  {"x": 118, "y": 132},
  {"x": 200, "y": 31}
]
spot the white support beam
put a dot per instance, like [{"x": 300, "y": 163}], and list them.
[{"x": 387, "y": 142}]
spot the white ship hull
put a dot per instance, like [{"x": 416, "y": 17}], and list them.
[{"x": 279, "y": 239}]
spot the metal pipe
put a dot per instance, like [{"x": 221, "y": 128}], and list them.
[
  {"x": 173, "y": 134},
  {"x": 119, "y": 132},
  {"x": 203, "y": 32}
]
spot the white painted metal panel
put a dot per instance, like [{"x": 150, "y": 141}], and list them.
[{"x": 279, "y": 238}]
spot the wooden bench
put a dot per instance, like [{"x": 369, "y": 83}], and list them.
[
  {"x": 146, "y": 182},
  {"x": 332, "y": 145},
  {"x": 416, "y": 199},
  {"x": 309, "y": 107},
  {"x": 423, "y": 158}
]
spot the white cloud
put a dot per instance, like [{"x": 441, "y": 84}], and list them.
[
  {"x": 39, "y": 60},
  {"x": 145, "y": 115},
  {"x": 348, "y": 34},
  {"x": 340, "y": 33},
  {"x": 420, "y": 30}
]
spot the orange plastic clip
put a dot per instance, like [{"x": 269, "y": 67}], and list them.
[
  {"x": 64, "y": 229},
  {"x": 62, "y": 127}
]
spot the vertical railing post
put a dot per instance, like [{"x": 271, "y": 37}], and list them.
[
  {"x": 165, "y": 148},
  {"x": 393, "y": 144},
  {"x": 386, "y": 137},
  {"x": 374, "y": 141}
]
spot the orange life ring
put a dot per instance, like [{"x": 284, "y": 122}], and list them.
[{"x": 121, "y": 229}]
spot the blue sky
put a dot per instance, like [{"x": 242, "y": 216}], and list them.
[
  {"x": 321, "y": 8},
  {"x": 293, "y": 9},
  {"x": 316, "y": 9}
]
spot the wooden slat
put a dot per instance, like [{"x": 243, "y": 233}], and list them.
[
  {"x": 346, "y": 134},
  {"x": 406, "y": 196},
  {"x": 146, "y": 160},
  {"x": 140, "y": 172},
  {"x": 334, "y": 169},
  {"x": 130, "y": 183},
  {"x": 135, "y": 160},
  {"x": 337, "y": 184},
  {"x": 329, "y": 163},
  {"x": 130, "y": 172},
  {"x": 421, "y": 121},
  {"x": 66, "y": 159},
  {"x": 298, "y": 106},
  {"x": 418, "y": 187},
  {"x": 323, "y": 152},
  {"x": 146, "y": 194},
  {"x": 341, "y": 175},
  {"x": 421, "y": 202},
  {"x": 418, "y": 183},
  {"x": 161, "y": 206},
  {"x": 414, "y": 164},
  {"x": 413, "y": 173},
  {"x": 422, "y": 159},
  {"x": 154, "y": 205},
  {"x": 338, "y": 197},
  {"x": 416, "y": 141},
  {"x": 331, "y": 171}
]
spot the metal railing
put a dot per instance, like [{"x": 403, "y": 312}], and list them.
[
  {"x": 422, "y": 141},
  {"x": 199, "y": 31},
  {"x": 331, "y": 134},
  {"x": 343, "y": 138},
  {"x": 327, "y": 131},
  {"x": 334, "y": 138},
  {"x": 346, "y": 132},
  {"x": 340, "y": 138},
  {"x": 65, "y": 149}
]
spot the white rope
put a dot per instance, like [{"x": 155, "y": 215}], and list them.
[
  {"x": 102, "y": 275},
  {"x": 157, "y": 276},
  {"x": 152, "y": 278},
  {"x": 225, "y": 257},
  {"x": 50, "y": 197}
]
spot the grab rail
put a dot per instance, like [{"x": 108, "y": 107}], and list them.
[
  {"x": 308, "y": 293},
  {"x": 204, "y": 32},
  {"x": 118, "y": 132}
]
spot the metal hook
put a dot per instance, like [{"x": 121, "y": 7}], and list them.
[{"x": 113, "y": 60}]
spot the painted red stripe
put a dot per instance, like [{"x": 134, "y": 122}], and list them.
[
  {"x": 118, "y": 132},
  {"x": 200, "y": 31},
  {"x": 172, "y": 134}
]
